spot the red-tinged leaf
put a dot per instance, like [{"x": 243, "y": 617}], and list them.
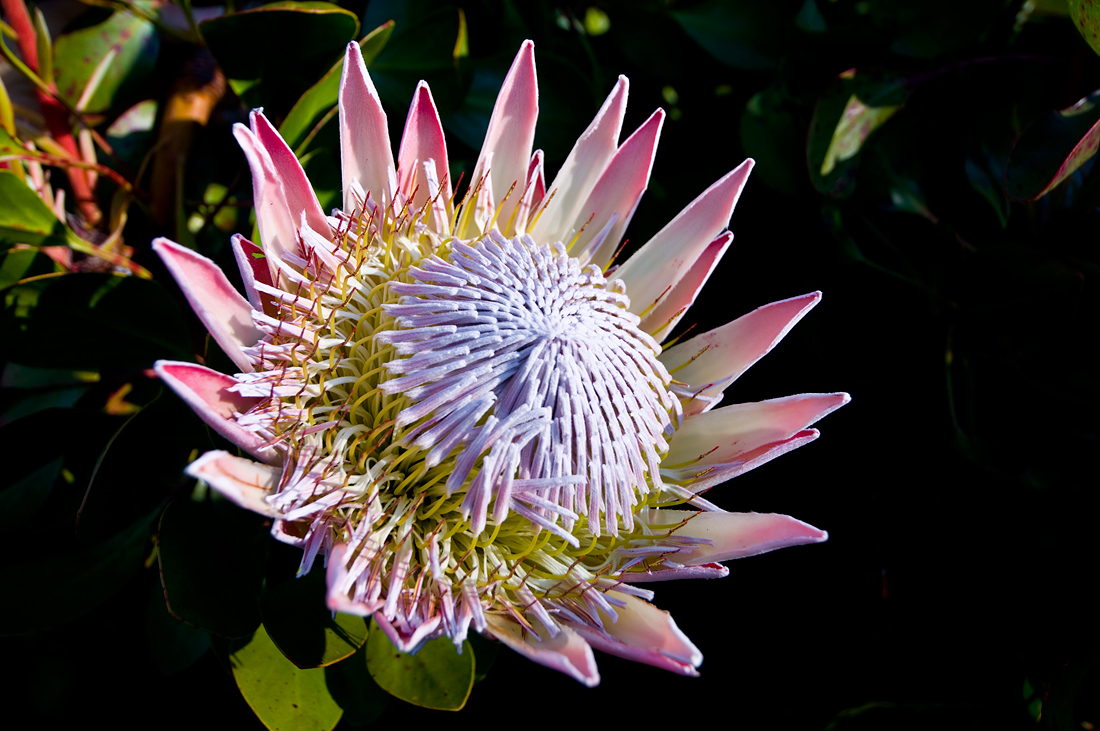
[
  {"x": 1086, "y": 16},
  {"x": 1053, "y": 148}
]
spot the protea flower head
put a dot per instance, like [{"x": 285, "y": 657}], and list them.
[{"x": 464, "y": 406}]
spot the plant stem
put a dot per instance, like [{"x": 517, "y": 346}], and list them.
[{"x": 55, "y": 114}]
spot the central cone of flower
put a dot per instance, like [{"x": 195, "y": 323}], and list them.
[
  {"x": 538, "y": 368},
  {"x": 459, "y": 411},
  {"x": 466, "y": 416}
]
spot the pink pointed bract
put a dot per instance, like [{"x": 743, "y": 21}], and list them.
[{"x": 463, "y": 408}]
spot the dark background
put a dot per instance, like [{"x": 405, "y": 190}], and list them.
[{"x": 958, "y": 584}]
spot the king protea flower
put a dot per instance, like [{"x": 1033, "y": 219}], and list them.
[{"x": 464, "y": 406}]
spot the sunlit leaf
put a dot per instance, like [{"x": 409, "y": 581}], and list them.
[
  {"x": 856, "y": 124},
  {"x": 19, "y": 264},
  {"x": 24, "y": 217},
  {"x": 68, "y": 586},
  {"x": 306, "y": 631},
  {"x": 211, "y": 565},
  {"x": 1052, "y": 148},
  {"x": 435, "y": 677},
  {"x": 1086, "y": 16},
  {"x": 846, "y": 114},
  {"x": 76, "y": 55},
  {"x": 132, "y": 134},
  {"x": 281, "y": 695}
]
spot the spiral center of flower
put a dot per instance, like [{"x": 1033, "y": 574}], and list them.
[{"x": 534, "y": 368}]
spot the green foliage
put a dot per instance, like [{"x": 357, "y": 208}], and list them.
[
  {"x": 282, "y": 696},
  {"x": 85, "y": 321},
  {"x": 1086, "y": 16},
  {"x": 303, "y": 628},
  {"x": 1052, "y": 148},
  {"x": 24, "y": 217},
  {"x": 62, "y": 588},
  {"x": 744, "y": 35},
  {"x": 136, "y": 44},
  {"x": 316, "y": 106},
  {"x": 211, "y": 566},
  {"x": 435, "y": 677},
  {"x": 253, "y": 45}
]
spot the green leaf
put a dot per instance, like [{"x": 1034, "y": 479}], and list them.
[
  {"x": 1062, "y": 707},
  {"x": 24, "y": 217},
  {"x": 845, "y": 116},
  {"x": 435, "y": 677},
  {"x": 92, "y": 321},
  {"x": 132, "y": 133},
  {"x": 77, "y": 54},
  {"x": 980, "y": 171},
  {"x": 20, "y": 500},
  {"x": 322, "y": 96},
  {"x": 422, "y": 50},
  {"x": 281, "y": 695},
  {"x": 744, "y": 35},
  {"x": 252, "y": 43},
  {"x": 68, "y": 586},
  {"x": 175, "y": 645},
  {"x": 1052, "y": 148},
  {"x": 302, "y": 626},
  {"x": 212, "y": 557},
  {"x": 355, "y": 691},
  {"x": 770, "y": 135},
  {"x": 856, "y": 124},
  {"x": 22, "y": 263},
  {"x": 1086, "y": 16}
]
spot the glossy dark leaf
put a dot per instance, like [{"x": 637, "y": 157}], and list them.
[
  {"x": 92, "y": 321},
  {"x": 302, "y": 626},
  {"x": 435, "y": 677},
  {"x": 423, "y": 50},
  {"x": 61, "y": 588},
  {"x": 211, "y": 565},
  {"x": 20, "y": 499},
  {"x": 283, "y": 697},
  {"x": 743, "y": 35},
  {"x": 355, "y": 691},
  {"x": 175, "y": 645},
  {"x": 771, "y": 136},
  {"x": 255, "y": 42},
  {"x": 1052, "y": 148}
]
